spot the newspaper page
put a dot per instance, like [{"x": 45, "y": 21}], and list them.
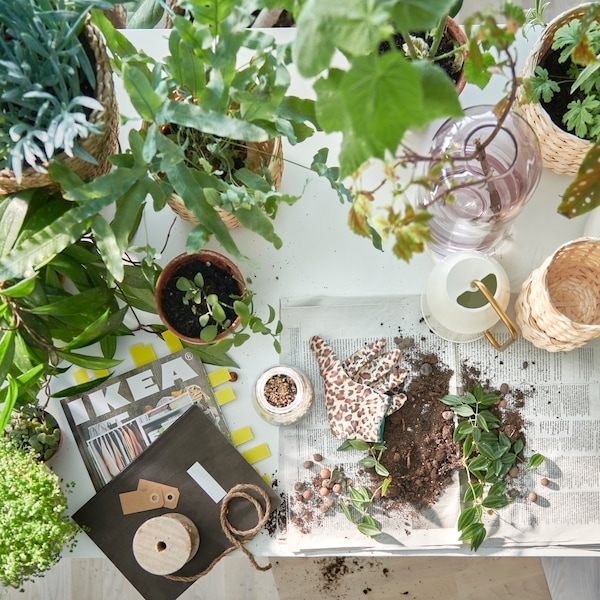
[
  {"x": 115, "y": 422},
  {"x": 558, "y": 395}
]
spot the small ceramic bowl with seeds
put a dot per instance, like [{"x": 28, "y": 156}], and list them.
[{"x": 282, "y": 395}]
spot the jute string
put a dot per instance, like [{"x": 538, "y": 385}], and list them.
[{"x": 236, "y": 536}]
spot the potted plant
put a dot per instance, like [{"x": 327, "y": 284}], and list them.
[
  {"x": 63, "y": 102},
  {"x": 194, "y": 133},
  {"x": 54, "y": 311},
  {"x": 203, "y": 299},
  {"x": 559, "y": 97},
  {"x": 355, "y": 101},
  {"x": 35, "y": 529},
  {"x": 32, "y": 426}
]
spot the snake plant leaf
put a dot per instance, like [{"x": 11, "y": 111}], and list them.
[
  {"x": 105, "y": 325},
  {"x": 355, "y": 27},
  {"x": 94, "y": 363},
  {"x": 583, "y": 193}
]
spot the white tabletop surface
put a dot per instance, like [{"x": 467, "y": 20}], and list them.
[{"x": 320, "y": 256}]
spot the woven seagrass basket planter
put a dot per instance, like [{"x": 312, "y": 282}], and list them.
[
  {"x": 558, "y": 305},
  {"x": 258, "y": 155},
  {"x": 100, "y": 146},
  {"x": 562, "y": 152}
]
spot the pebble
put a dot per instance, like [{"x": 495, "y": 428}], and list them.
[
  {"x": 325, "y": 473},
  {"x": 532, "y": 496},
  {"x": 504, "y": 388},
  {"x": 448, "y": 415},
  {"x": 308, "y": 464},
  {"x": 514, "y": 472},
  {"x": 544, "y": 481},
  {"x": 337, "y": 488},
  {"x": 318, "y": 457},
  {"x": 426, "y": 369},
  {"x": 324, "y": 491},
  {"x": 298, "y": 486},
  {"x": 307, "y": 494}
]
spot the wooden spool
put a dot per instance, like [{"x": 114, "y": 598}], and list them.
[{"x": 164, "y": 544}]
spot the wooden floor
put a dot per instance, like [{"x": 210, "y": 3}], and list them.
[
  {"x": 302, "y": 579},
  {"x": 417, "y": 578}
]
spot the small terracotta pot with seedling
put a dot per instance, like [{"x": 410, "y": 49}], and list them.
[
  {"x": 202, "y": 298},
  {"x": 282, "y": 395}
]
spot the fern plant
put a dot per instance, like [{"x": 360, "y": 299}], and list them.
[{"x": 46, "y": 82}]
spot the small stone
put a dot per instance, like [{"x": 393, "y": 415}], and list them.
[
  {"x": 317, "y": 457},
  {"x": 514, "y": 472},
  {"x": 544, "y": 481},
  {"x": 337, "y": 488},
  {"x": 448, "y": 415},
  {"x": 233, "y": 376},
  {"x": 307, "y": 494},
  {"x": 329, "y": 502},
  {"x": 299, "y": 486},
  {"x": 308, "y": 464},
  {"x": 426, "y": 369},
  {"x": 324, "y": 491},
  {"x": 532, "y": 496},
  {"x": 525, "y": 364},
  {"x": 504, "y": 388},
  {"x": 326, "y": 483},
  {"x": 324, "y": 508},
  {"x": 503, "y": 403},
  {"x": 325, "y": 473}
]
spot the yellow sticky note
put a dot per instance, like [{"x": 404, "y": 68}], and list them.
[
  {"x": 241, "y": 436},
  {"x": 218, "y": 376},
  {"x": 267, "y": 480},
  {"x": 257, "y": 453},
  {"x": 81, "y": 376},
  {"x": 173, "y": 342},
  {"x": 224, "y": 395},
  {"x": 101, "y": 373},
  {"x": 142, "y": 354}
]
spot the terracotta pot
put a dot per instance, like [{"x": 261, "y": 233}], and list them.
[
  {"x": 457, "y": 32},
  {"x": 163, "y": 291}
]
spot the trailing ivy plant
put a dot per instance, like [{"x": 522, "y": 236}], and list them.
[
  {"x": 357, "y": 508},
  {"x": 487, "y": 455}
]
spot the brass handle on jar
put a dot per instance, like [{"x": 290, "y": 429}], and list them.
[{"x": 503, "y": 316}]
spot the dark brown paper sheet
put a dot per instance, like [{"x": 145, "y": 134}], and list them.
[{"x": 192, "y": 438}]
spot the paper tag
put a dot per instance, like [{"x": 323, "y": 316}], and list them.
[
  {"x": 148, "y": 496},
  {"x": 170, "y": 494}
]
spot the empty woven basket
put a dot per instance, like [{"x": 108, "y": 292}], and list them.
[
  {"x": 267, "y": 153},
  {"x": 558, "y": 306},
  {"x": 101, "y": 145},
  {"x": 562, "y": 152}
]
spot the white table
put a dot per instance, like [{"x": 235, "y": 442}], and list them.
[{"x": 320, "y": 256}]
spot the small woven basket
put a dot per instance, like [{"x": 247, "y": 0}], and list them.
[
  {"x": 562, "y": 152},
  {"x": 100, "y": 146},
  {"x": 558, "y": 306},
  {"x": 258, "y": 153}
]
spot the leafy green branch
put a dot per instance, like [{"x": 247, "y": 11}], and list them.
[
  {"x": 488, "y": 455},
  {"x": 360, "y": 499}
]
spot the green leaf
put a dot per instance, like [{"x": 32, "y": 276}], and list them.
[
  {"x": 81, "y": 388},
  {"x": 542, "y": 87},
  {"x": 146, "y": 101},
  {"x": 107, "y": 324},
  {"x": 13, "y": 211},
  {"x": 355, "y": 27},
  {"x": 75, "y": 304},
  {"x": 20, "y": 289},
  {"x": 477, "y": 68},
  {"x": 94, "y": 363},
  {"x": 12, "y": 392},
  {"x": 381, "y": 470},
  {"x": 535, "y": 461},
  {"x": 583, "y": 193},
  {"x": 440, "y": 98},
  {"x": 354, "y": 445},
  {"x": 580, "y": 115},
  {"x": 475, "y": 534},
  {"x": 473, "y": 491},
  {"x": 368, "y": 526},
  {"x": 464, "y": 411},
  {"x": 495, "y": 502},
  {"x": 108, "y": 246},
  {"x": 7, "y": 353},
  {"x": 415, "y": 15},
  {"x": 468, "y": 516},
  {"x": 518, "y": 446}
]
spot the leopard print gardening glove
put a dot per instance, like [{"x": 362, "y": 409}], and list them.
[{"x": 356, "y": 389}]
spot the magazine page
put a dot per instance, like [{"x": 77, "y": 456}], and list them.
[{"x": 115, "y": 422}]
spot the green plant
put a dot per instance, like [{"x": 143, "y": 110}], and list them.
[
  {"x": 355, "y": 100},
  {"x": 33, "y": 523},
  {"x": 56, "y": 309},
  {"x": 32, "y": 426},
  {"x": 47, "y": 82},
  {"x": 220, "y": 80},
  {"x": 358, "y": 509},
  {"x": 488, "y": 455},
  {"x": 217, "y": 315}
]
